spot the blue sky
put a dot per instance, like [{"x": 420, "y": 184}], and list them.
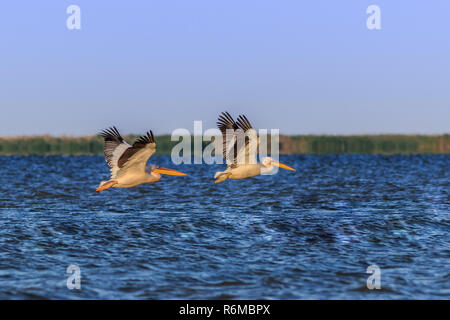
[{"x": 303, "y": 67}]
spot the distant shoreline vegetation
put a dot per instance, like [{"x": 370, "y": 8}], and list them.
[{"x": 299, "y": 144}]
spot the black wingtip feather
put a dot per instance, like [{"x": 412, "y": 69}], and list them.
[
  {"x": 148, "y": 138},
  {"x": 225, "y": 121},
  {"x": 243, "y": 123},
  {"x": 111, "y": 134}
]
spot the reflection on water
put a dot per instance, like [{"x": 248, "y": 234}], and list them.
[{"x": 308, "y": 234}]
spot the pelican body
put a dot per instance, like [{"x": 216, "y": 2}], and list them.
[
  {"x": 242, "y": 158},
  {"x": 128, "y": 163}
]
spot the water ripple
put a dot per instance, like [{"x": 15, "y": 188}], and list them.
[{"x": 309, "y": 234}]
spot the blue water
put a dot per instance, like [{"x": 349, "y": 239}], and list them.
[{"x": 304, "y": 235}]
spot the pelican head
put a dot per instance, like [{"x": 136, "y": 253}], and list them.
[{"x": 268, "y": 162}]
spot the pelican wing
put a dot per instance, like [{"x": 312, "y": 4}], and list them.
[
  {"x": 227, "y": 126},
  {"x": 135, "y": 158},
  {"x": 239, "y": 140},
  {"x": 247, "y": 153},
  {"x": 121, "y": 157},
  {"x": 114, "y": 148}
]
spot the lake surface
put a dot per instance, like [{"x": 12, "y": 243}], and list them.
[{"x": 304, "y": 235}]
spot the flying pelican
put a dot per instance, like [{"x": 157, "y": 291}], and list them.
[
  {"x": 128, "y": 163},
  {"x": 241, "y": 157}
]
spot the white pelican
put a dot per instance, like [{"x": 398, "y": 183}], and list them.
[
  {"x": 241, "y": 157},
  {"x": 128, "y": 163}
]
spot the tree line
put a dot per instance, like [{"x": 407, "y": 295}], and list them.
[{"x": 300, "y": 144}]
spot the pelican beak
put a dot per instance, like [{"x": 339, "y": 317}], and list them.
[
  {"x": 282, "y": 165},
  {"x": 169, "y": 172}
]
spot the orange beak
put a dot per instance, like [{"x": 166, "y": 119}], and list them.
[
  {"x": 169, "y": 172},
  {"x": 282, "y": 165}
]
